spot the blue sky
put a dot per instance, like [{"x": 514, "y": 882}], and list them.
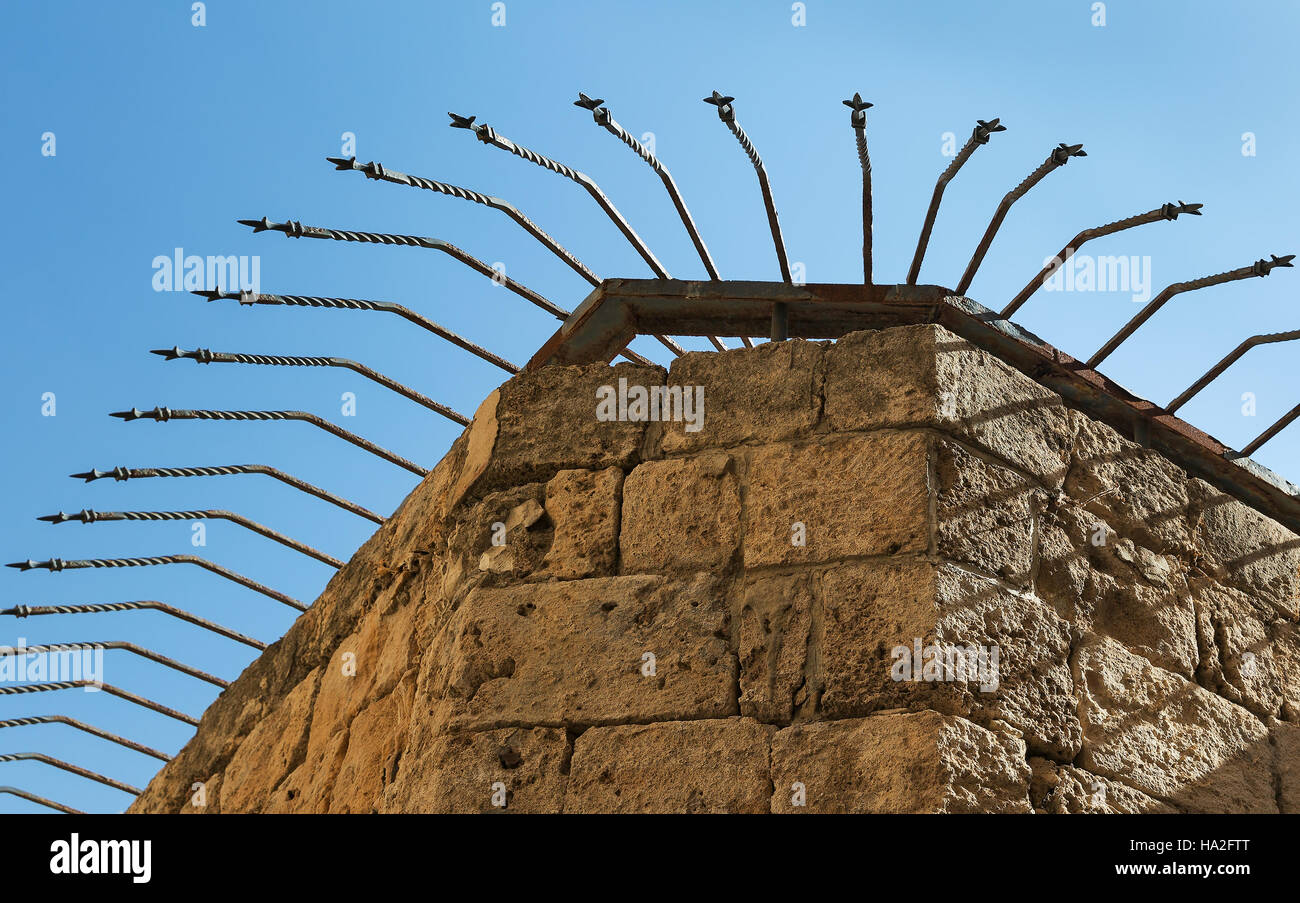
[{"x": 166, "y": 133}]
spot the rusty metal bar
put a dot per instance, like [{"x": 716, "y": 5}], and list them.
[
  {"x": 162, "y": 415},
  {"x": 1217, "y": 370},
  {"x": 73, "y": 769},
  {"x": 149, "y": 654},
  {"x": 1169, "y": 212},
  {"x": 85, "y": 728},
  {"x": 727, "y": 113},
  {"x": 39, "y": 800},
  {"x": 91, "y": 516},
  {"x": 979, "y": 136},
  {"x": 55, "y": 565},
  {"x": 1283, "y": 422},
  {"x": 207, "y": 356},
  {"x": 248, "y": 299},
  {"x": 23, "y": 611},
  {"x": 1258, "y": 268},
  {"x": 858, "y": 120},
  {"x": 1056, "y": 159},
  {"x": 130, "y": 473},
  {"x": 23, "y": 689},
  {"x": 605, "y": 120}
]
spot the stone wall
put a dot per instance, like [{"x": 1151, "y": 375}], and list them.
[{"x": 653, "y": 636}]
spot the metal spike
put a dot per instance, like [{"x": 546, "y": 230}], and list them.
[
  {"x": 978, "y": 137},
  {"x": 858, "y": 120},
  {"x": 247, "y": 299},
  {"x": 162, "y": 415},
  {"x": 488, "y": 135},
  {"x": 86, "y": 728},
  {"x": 1258, "y": 268},
  {"x": 605, "y": 120},
  {"x": 39, "y": 800},
  {"x": 377, "y": 171},
  {"x": 69, "y": 767},
  {"x": 130, "y": 473},
  {"x": 116, "y": 644},
  {"x": 23, "y": 689},
  {"x": 206, "y": 356},
  {"x": 727, "y": 113},
  {"x": 1169, "y": 212},
  {"x": 1214, "y": 372},
  {"x": 1056, "y": 159},
  {"x": 58, "y": 564},
  {"x": 90, "y": 516},
  {"x": 1282, "y": 423},
  {"x": 24, "y": 611}
]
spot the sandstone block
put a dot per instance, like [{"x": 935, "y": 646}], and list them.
[
  {"x": 1064, "y": 790},
  {"x": 1240, "y": 547},
  {"x": 677, "y": 766},
  {"x": 769, "y": 394},
  {"x": 270, "y": 751},
  {"x": 579, "y": 653},
  {"x": 585, "y": 508},
  {"x": 775, "y": 619},
  {"x": 923, "y": 762},
  {"x": 682, "y": 514},
  {"x": 854, "y": 495},
  {"x": 1168, "y": 737}
]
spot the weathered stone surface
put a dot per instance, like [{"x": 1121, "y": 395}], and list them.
[
  {"x": 855, "y": 495},
  {"x": 716, "y": 765},
  {"x": 984, "y": 513},
  {"x": 376, "y": 738},
  {"x": 765, "y": 395},
  {"x": 874, "y": 614},
  {"x": 1064, "y": 790},
  {"x": 270, "y": 751},
  {"x": 1106, "y": 584},
  {"x": 1239, "y": 546},
  {"x": 1139, "y": 493},
  {"x": 1168, "y": 737},
  {"x": 526, "y": 768},
  {"x": 923, "y": 762},
  {"x": 585, "y": 507},
  {"x": 775, "y": 619},
  {"x": 1237, "y": 639},
  {"x": 926, "y": 376},
  {"x": 573, "y": 652},
  {"x": 546, "y": 422},
  {"x": 682, "y": 514},
  {"x": 1286, "y": 754},
  {"x": 505, "y": 533}
]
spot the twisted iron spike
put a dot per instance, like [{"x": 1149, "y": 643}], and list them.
[
  {"x": 1231, "y": 358},
  {"x": 40, "y": 800},
  {"x": 979, "y": 136},
  {"x": 1169, "y": 212},
  {"x": 1056, "y": 159},
  {"x": 858, "y": 120},
  {"x": 1258, "y": 268},
  {"x": 162, "y": 415},
  {"x": 90, "y": 516},
  {"x": 59, "y": 564},
  {"x": 120, "y": 645},
  {"x": 128, "y": 473},
  {"x": 248, "y": 299},
  {"x": 73, "y": 769},
  {"x": 378, "y": 171},
  {"x": 727, "y": 113},
  {"x": 207, "y": 356},
  {"x": 23, "y": 611},
  {"x": 488, "y": 135},
  {"x": 1283, "y": 422},
  {"x": 22, "y": 689},
  {"x": 86, "y": 728},
  {"x": 603, "y": 118}
]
